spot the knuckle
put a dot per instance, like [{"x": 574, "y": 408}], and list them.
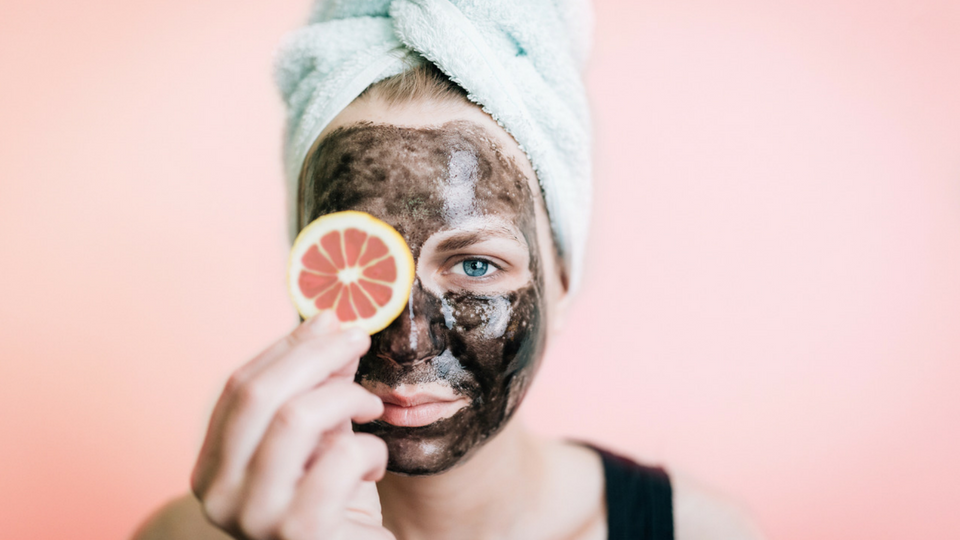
[
  {"x": 291, "y": 416},
  {"x": 250, "y": 395},
  {"x": 294, "y": 338},
  {"x": 254, "y": 525},
  {"x": 234, "y": 383},
  {"x": 218, "y": 511}
]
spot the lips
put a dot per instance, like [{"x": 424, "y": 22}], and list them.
[{"x": 417, "y": 405}]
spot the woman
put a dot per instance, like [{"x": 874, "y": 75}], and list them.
[{"x": 409, "y": 433}]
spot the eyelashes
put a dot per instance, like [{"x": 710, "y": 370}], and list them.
[{"x": 473, "y": 269}]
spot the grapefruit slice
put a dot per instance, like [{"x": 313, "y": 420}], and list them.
[{"x": 354, "y": 264}]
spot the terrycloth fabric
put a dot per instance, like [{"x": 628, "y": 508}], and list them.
[{"x": 520, "y": 60}]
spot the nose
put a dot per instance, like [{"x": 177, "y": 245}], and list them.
[{"x": 415, "y": 335}]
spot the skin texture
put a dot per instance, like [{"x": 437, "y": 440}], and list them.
[
  {"x": 483, "y": 340},
  {"x": 263, "y": 471}
]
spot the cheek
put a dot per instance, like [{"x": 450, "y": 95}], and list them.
[{"x": 496, "y": 335}]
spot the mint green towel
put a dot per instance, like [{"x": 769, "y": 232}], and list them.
[{"x": 521, "y": 60}]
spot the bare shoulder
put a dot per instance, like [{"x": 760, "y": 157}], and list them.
[
  {"x": 699, "y": 513},
  {"x": 181, "y": 518}
]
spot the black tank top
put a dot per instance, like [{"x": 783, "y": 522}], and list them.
[{"x": 639, "y": 499}]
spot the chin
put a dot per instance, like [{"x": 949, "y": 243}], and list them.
[{"x": 422, "y": 457}]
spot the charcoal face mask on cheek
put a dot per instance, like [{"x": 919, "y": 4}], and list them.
[{"x": 486, "y": 347}]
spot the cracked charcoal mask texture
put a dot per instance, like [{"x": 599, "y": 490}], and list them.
[{"x": 486, "y": 346}]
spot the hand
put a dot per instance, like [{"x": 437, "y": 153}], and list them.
[{"x": 280, "y": 460}]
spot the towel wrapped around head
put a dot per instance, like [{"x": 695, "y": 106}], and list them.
[{"x": 520, "y": 60}]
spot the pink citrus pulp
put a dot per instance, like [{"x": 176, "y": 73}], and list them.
[{"x": 352, "y": 263}]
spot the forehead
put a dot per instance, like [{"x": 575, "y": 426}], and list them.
[{"x": 418, "y": 179}]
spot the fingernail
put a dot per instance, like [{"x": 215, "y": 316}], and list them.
[
  {"x": 323, "y": 319},
  {"x": 356, "y": 335}
]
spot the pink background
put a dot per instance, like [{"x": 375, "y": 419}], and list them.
[{"x": 773, "y": 298}]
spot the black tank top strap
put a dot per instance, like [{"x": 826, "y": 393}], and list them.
[{"x": 639, "y": 499}]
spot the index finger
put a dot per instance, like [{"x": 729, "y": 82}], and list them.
[
  {"x": 321, "y": 324},
  {"x": 305, "y": 359}
]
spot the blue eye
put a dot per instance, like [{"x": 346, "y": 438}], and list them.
[{"x": 475, "y": 267}]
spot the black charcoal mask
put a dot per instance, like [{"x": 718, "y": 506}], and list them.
[{"x": 485, "y": 346}]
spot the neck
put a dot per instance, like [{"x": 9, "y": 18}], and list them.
[{"x": 482, "y": 498}]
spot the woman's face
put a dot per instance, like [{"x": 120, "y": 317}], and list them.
[{"x": 453, "y": 368}]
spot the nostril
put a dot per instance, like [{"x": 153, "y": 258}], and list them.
[
  {"x": 413, "y": 337},
  {"x": 388, "y": 359}
]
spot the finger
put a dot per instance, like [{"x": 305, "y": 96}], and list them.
[
  {"x": 320, "y": 503},
  {"x": 365, "y": 507},
  {"x": 291, "y": 440},
  {"x": 312, "y": 352},
  {"x": 346, "y": 530},
  {"x": 325, "y": 322},
  {"x": 303, "y": 367},
  {"x": 310, "y": 360}
]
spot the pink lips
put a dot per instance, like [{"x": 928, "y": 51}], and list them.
[{"x": 417, "y": 405}]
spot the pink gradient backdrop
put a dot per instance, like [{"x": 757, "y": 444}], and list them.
[{"x": 773, "y": 298}]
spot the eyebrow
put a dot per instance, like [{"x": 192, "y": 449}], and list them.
[{"x": 465, "y": 239}]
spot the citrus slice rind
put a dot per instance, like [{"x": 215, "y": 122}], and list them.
[{"x": 352, "y": 263}]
